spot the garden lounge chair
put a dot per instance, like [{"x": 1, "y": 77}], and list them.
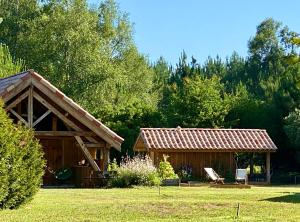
[
  {"x": 214, "y": 176},
  {"x": 241, "y": 175}
]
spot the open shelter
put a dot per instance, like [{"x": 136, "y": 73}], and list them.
[
  {"x": 200, "y": 147},
  {"x": 69, "y": 135}
]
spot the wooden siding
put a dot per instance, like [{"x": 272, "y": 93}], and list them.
[
  {"x": 64, "y": 152},
  {"x": 220, "y": 162}
]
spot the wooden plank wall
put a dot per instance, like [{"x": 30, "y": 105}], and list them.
[
  {"x": 221, "y": 162},
  {"x": 59, "y": 152},
  {"x": 65, "y": 152}
]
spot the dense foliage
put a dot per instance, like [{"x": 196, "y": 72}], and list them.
[
  {"x": 90, "y": 54},
  {"x": 21, "y": 163},
  {"x": 7, "y": 64},
  {"x": 165, "y": 170}
]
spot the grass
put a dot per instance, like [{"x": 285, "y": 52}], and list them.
[{"x": 281, "y": 203}]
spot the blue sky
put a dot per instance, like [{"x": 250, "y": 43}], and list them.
[{"x": 202, "y": 28}]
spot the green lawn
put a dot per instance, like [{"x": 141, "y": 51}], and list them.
[{"x": 274, "y": 203}]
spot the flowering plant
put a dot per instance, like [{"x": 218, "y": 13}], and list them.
[
  {"x": 136, "y": 171},
  {"x": 185, "y": 172}
]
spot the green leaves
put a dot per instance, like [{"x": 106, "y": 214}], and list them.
[
  {"x": 7, "y": 65},
  {"x": 200, "y": 102},
  {"x": 21, "y": 163}
]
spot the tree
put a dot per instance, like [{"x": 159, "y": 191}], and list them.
[
  {"x": 292, "y": 129},
  {"x": 92, "y": 57},
  {"x": 7, "y": 65},
  {"x": 21, "y": 163},
  {"x": 162, "y": 73},
  {"x": 200, "y": 102},
  {"x": 15, "y": 15}
]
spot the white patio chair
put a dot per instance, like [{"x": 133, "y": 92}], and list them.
[
  {"x": 241, "y": 175},
  {"x": 214, "y": 176}
]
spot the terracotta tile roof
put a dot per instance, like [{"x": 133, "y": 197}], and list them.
[
  {"x": 207, "y": 139},
  {"x": 10, "y": 83}
]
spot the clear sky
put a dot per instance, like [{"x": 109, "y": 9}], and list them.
[{"x": 202, "y": 28}]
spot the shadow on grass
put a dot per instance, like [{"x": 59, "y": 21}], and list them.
[{"x": 291, "y": 198}]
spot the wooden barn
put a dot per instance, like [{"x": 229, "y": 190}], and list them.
[
  {"x": 71, "y": 137},
  {"x": 199, "y": 148}
]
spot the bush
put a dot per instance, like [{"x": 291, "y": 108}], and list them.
[
  {"x": 165, "y": 170},
  {"x": 112, "y": 166},
  {"x": 21, "y": 163},
  {"x": 136, "y": 171}
]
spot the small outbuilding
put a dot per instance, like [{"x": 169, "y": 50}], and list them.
[
  {"x": 71, "y": 137},
  {"x": 199, "y": 148}
]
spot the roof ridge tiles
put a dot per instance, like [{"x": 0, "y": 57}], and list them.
[{"x": 207, "y": 129}]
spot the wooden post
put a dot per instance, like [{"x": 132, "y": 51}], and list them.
[
  {"x": 152, "y": 156},
  {"x": 251, "y": 164},
  {"x": 30, "y": 108},
  {"x": 54, "y": 123},
  {"x": 106, "y": 156},
  {"x": 268, "y": 168}
]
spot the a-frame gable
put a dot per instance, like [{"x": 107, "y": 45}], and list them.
[{"x": 31, "y": 86}]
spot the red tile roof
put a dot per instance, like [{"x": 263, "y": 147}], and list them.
[{"x": 207, "y": 139}]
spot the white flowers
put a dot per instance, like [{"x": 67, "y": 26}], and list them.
[{"x": 138, "y": 164}]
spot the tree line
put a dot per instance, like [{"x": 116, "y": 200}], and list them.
[{"x": 90, "y": 54}]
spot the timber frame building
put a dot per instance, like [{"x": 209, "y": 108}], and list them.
[
  {"x": 69, "y": 135},
  {"x": 201, "y": 147}
]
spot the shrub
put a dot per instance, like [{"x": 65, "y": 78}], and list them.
[
  {"x": 112, "y": 166},
  {"x": 165, "y": 170},
  {"x": 136, "y": 171},
  {"x": 21, "y": 163}
]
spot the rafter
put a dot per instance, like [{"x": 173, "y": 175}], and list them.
[
  {"x": 68, "y": 122},
  {"x": 17, "y": 101},
  {"x": 51, "y": 93},
  {"x": 64, "y": 133},
  {"x": 17, "y": 89},
  {"x": 56, "y": 112}
]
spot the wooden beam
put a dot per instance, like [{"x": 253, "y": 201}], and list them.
[
  {"x": 268, "y": 166},
  {"x": 66, "y": 106},
  {"x": 54, "y": 123},
  {"x": 63, "y": 133},
  {"x": 56, "y": 112},
  {"x": 106, "y": 155},
  {"x": 30, "y": 107},
  {"x": 23, "y": 85},
  {"x": 41, "y": 118},
  {"x": 91, "y": 139},
  {"x": 17, "y": 101},
  {"x": 19, "y": 117},
  {"x": 96, "y": 145},
  {"x": 87, "y": 154}
]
